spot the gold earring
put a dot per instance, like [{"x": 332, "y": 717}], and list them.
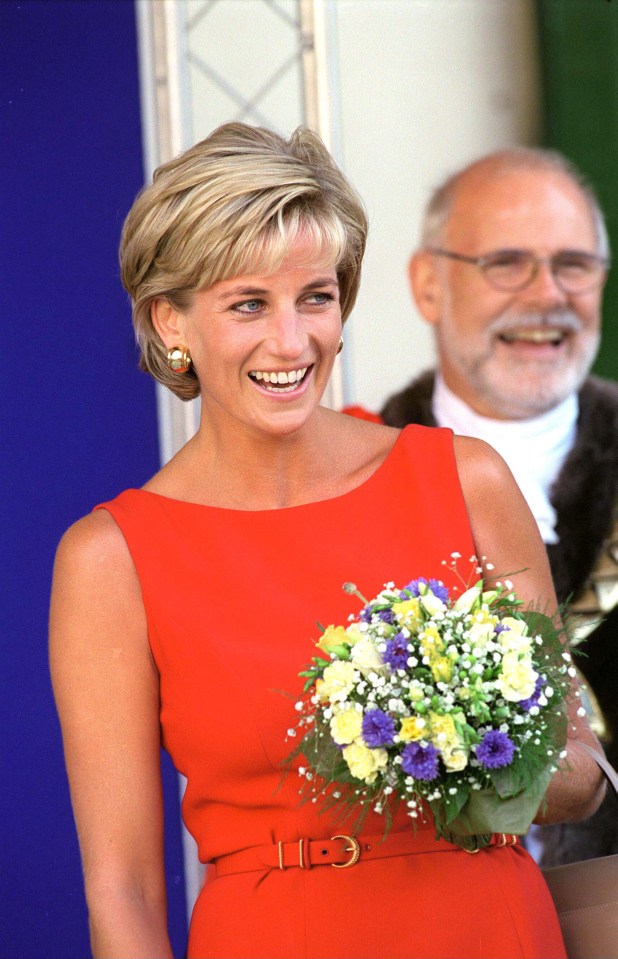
[
  {"x": 179, "y": 359},
  {"x": 340, "y": 347}
]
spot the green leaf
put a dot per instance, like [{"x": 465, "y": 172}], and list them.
[
  {"x": 485, "y": 812},
  {"x": 453, "y": 804},
  {"x": 341, "y": 651},
  {"x": 321, "y": 660}
]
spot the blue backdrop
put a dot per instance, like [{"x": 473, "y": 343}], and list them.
[{"x": 78, "y": 419}]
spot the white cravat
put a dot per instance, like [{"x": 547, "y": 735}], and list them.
[{"x": 533, "y": 449}]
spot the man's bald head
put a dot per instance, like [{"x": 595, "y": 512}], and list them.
[{"x": 514, "y": 159}]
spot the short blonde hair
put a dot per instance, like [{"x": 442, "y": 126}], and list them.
[{"x": 233, "y": 204}]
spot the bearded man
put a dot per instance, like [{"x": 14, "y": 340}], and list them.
[{"x": 510, "y": 273}]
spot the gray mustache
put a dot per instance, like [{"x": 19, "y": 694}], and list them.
[{"x": 563, "y": 320}]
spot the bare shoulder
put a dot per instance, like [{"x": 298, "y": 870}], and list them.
[
  {"x": 486, "y": 480},
  {"x": 95, "y": 588},
  {"x": 476, "y": 458},
  {"x": 94, "y": 544}
]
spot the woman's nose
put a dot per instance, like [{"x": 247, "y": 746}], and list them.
[{"x": 287, "y": 333}]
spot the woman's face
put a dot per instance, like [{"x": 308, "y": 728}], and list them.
[{"x": 263, "y": 346}]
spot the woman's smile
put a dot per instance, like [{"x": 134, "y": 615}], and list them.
[{"x": 281, "y": 381}]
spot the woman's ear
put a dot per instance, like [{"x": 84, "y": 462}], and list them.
[
  {"x": 168, "y": 322},
  {"x": 426, "y": 286}
]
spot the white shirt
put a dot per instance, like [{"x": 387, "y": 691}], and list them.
[{"x": 534, "y": 449}]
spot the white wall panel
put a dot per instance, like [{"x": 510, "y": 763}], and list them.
[{"x": 424, "y": 86}]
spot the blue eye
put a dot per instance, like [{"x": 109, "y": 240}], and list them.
[
  {"x": 248, "y": 306},
  {"x": 321, "y": 299}
]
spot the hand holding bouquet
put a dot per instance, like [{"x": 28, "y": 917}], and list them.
[{"x": 456, "y": 704}]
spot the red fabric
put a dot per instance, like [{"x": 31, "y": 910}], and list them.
[
  {"x": 362, "y": 414},
  {"x": 232, "y": 600}
]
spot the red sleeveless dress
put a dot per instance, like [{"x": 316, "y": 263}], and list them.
[{"x": 232, "y": 599}]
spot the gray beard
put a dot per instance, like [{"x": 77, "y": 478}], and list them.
[{"x": 525, "y": 389}]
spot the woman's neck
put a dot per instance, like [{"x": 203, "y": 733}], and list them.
[{"x": 236, "y": 468}]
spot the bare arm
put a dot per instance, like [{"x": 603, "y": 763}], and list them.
[
  {"x": 107, "y": 694},
  {"x": 506, "y": 533}
]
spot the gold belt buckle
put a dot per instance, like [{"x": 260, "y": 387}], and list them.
[
  {"x": 353, "y": 848},
  {"x": 507, "y": 839}
]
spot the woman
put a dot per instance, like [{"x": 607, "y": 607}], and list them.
[{"x": 180, "y": 610}]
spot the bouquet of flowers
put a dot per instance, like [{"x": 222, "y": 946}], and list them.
[{"x": 452, "y": 703}]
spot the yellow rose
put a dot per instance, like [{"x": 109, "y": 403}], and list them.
[
  {"x": 431, "y": 642},
  {"x": 441, "y": 668},
  {"x": 442, "y": 730},
  {"x": 365, "y": 763},
  {"x": 332, "y": 636},
  {"x": 482, "y": 629},
  {"x": 346, "y": 726},
  {"x": 408, "y": 613},
  {"x": 353, "y": 633},
  {"x": 412, "y": 728},
  {"x": 445, "y": 737},
  {"x": 518, "y": 678},
  {"x": 337, "y": 681}
]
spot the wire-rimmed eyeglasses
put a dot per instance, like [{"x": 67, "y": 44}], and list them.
[{"x": 574, "y": 271}]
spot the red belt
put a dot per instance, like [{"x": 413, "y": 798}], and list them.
[{"x": 341, "y": 851}]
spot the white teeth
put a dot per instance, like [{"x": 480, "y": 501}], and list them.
[
  {"x": 281, "y": 379},
  {"x": 535, "y": 336},
  {"x": 545, "y": 336},
  {"x": 281, "y": 389}
]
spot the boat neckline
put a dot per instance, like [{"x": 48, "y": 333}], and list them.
[{"x": 385, "y": 464}]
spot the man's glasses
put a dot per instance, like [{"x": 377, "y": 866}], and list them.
[{"x": 513, "y": 270}]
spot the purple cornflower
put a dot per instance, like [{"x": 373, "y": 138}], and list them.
[
  {"x": 420, "y": 760},
  {"x": 533, "y": 700},
  {"x": 387, "y": 616},
  {"x": 366, "y": 613},
  {"x": 397, "y": 653},
  {"x": 378, "y": 728},
  {"x": 495, "y": 750},
  {"x": 436, "y": 586}
]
